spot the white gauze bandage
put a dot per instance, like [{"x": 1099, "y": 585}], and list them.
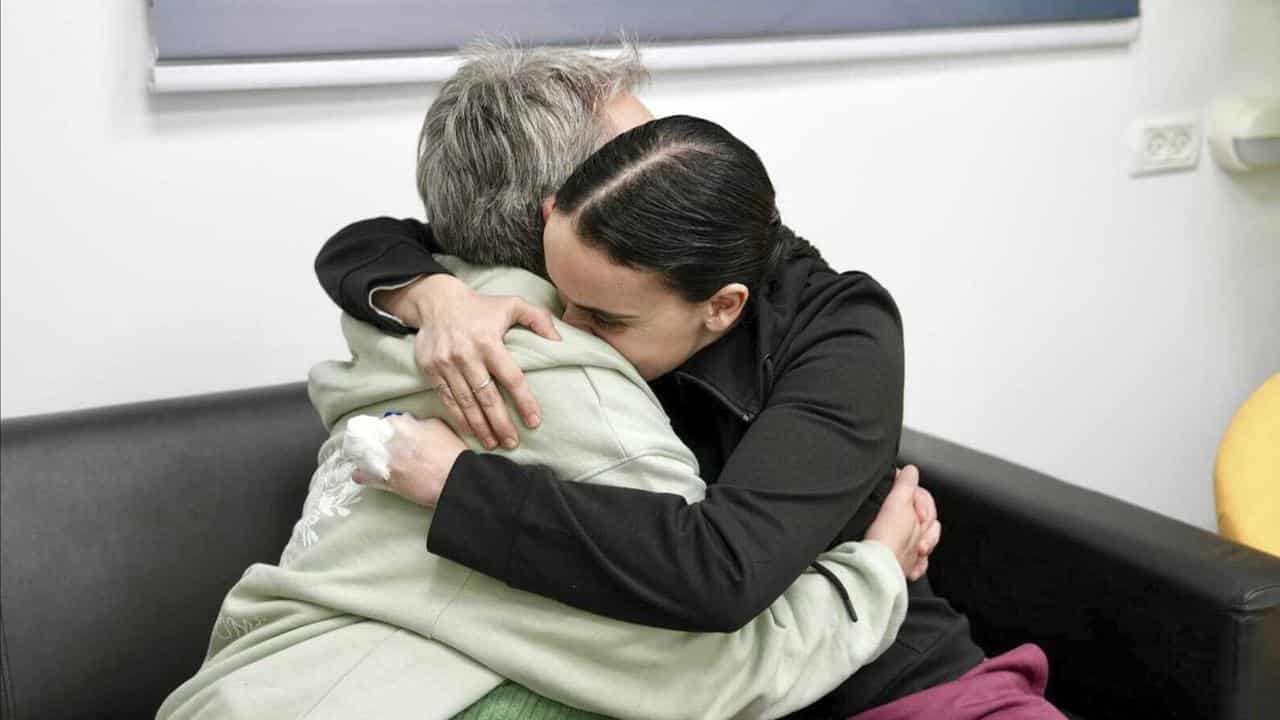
[{"x": 365, "y": 444}]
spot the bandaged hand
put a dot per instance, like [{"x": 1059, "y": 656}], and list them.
[{"x": 414, "y": 459}]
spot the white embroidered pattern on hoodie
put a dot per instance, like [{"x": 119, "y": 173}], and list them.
[{"x": 331, "y": 495}]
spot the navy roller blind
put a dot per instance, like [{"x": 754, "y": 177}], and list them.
[{"x": 212, "y": 30}]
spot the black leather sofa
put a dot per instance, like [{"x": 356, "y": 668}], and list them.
[{"x": 124, "y": 526}]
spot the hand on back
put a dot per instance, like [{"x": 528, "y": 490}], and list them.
[
  {"x": 420, "y": 456},
  {"x": 459, "y": 347}
]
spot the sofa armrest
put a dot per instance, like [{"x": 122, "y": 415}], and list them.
[
  {"x": 122, "y": 529},
  {"x": 1141, "y": 615}
]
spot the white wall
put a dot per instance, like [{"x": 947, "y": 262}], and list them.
[{"x": 1058, "y": 312}]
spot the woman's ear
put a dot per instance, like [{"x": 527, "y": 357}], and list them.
[
  {"x": 724, "y": 308},
  {"x": 548, "y": 204}
]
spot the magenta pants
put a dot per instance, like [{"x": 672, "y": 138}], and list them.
[{"x": 1006, "y": 687}]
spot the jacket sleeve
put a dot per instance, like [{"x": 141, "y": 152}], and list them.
[
  {"x": 371, "y": 254},
  {"x": 781, "y": 661},
  {"x": 603, "y": 431},
  {"x": 826, "y": 437}
]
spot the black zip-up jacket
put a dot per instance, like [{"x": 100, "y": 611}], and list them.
[{"x": 794, "y": 416}]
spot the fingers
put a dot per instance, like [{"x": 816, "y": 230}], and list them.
[
  {"x": 483, "y": 386},
  {"x": 917, "y": 538},
  {"x": 432, "y": 362},
  {"x": 489, "y": 398},
  {"x": 465, "y": 398},
  {"x": 919, "y": 570},
  {"x": 481, "y": 405},
  {"x": 927, "y": 545},
  {"x": 471, "y": 366},
  {"x": 455, "y": 412},
  {"x": 929, "y": 539},
  {"x": 926, "y": 510},
  {"x": 507, "y": 373},
  {"x": 904, "y": 487},
  {"x": 535, "y": 318}
]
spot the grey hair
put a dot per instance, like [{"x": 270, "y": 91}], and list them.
[{"x": 504, "y": 132}]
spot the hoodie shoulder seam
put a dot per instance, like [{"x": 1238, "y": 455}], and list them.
[{"x": 604, "y": 416}]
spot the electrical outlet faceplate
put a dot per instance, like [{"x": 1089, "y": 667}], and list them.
[{"x": 1164, "y": 144}]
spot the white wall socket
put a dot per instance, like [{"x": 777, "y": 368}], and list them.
[{"x": 1164, "y": 144}]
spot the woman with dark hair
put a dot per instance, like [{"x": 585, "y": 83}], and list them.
[
  {"x": 783, "y": 376},
  {"x": 656, "y": 244}
]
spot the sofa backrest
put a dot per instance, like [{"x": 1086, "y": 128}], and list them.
[{"x": 122, "y": 529}]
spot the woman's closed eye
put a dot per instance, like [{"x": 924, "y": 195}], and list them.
[{"x": 606, "y": 322}]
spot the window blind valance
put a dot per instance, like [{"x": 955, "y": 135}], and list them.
[{"x": 422, "y": 34}]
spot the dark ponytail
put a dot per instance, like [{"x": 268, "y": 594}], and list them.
[
  {"x": 779, "y": 246},
  {"x": 682, "y": 197}
]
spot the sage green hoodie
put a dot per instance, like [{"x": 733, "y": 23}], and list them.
[{"x": 359, "y": 620}]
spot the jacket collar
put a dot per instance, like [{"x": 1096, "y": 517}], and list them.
[
  {"x": 729, "y": 369},
  {"x": 737, "y": 370}
]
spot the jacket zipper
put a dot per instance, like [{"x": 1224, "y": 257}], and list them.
[{"x": 715, "y": 392}]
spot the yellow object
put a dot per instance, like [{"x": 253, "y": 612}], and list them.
[{"x": 1246, "y": 478}]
